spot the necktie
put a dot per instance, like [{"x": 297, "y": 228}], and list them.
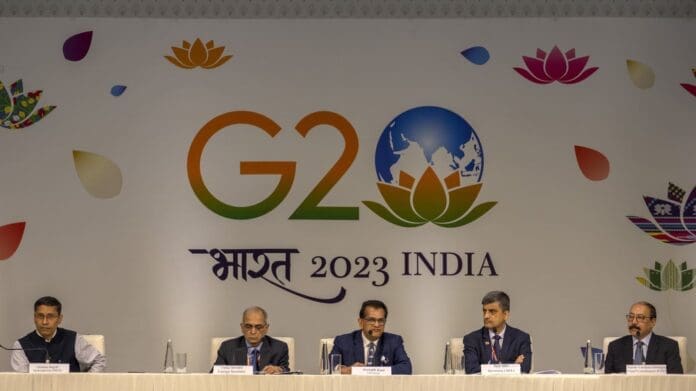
[
  {"x": 371, "y": 354},
  {"x": 255, "y": 360},
  {"x": 496, "y": 349},
  {"x": 638, "y": 355}
]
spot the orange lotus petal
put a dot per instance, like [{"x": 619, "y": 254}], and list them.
[
  {"x": 399, "y": 200},
  {"x": 183, "y": 56},
  {"x": 593, "y": 164},
  {"x": 210, "y": 45},
  {"x": 198, "y": 53},
  {"x": 186, "y": 45},
  {"x": 214, "y": 55},
  {"x": 406, "y": 180},
  {"x": 429, "y": 196},
  {"x": 177, "y": 62},
  {"x": 452, "y": 180},
  {"x": 217, "y": 64},
  {"x": 10, "y": 238},
  {"x": 460, "y": 200}
]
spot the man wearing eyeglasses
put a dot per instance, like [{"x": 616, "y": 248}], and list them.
[
  {"x": 50, "y": 343},
  {"x": 267, "y": 355},
  {"x": 642, "y": 346},
  {"x": 496, "y": 342},
  {"x": 370, "y": 345}
]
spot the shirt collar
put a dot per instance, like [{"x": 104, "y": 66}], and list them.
[
  {"x": 250, "y": 346},
  {"x": 47, "y": 340},
  {"x": 367, "y": 341},
  {"x": 491, "y": 333},
  {"x": 645, "y": 340}
]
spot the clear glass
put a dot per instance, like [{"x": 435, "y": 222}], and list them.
[
  {"x": 598, "y": 362},
  {"x": 335, "y": 360},
  {"x": 180, "y": 363}
]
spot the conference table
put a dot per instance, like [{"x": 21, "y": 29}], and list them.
[{"x": 209, "y": 382}]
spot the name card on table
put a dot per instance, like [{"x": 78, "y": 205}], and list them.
[
  {"x": 233, "y": 370},
  {"x": 649, "y": 369},
  {"x": 49, "y": 368},
  {"x": 501, "y": 369},
  {"x": 371, "y": 371}
]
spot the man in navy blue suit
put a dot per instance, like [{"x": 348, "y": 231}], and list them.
[
  {"x": 642, "y": 346},
  {"x": 371, "y": 346},
  {"x": 497, "y": 342}
]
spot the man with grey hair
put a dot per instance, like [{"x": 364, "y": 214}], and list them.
[
  {"x": 267, "y": 355},
  {"x": 496, "y": 342}
]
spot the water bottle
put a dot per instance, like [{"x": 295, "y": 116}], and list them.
[
  {"x": 588, "y": 358},
  {"x": 325, "y": 365},
  {"x": 449, "y": 367},
  {"x": 169, "y": 358}
]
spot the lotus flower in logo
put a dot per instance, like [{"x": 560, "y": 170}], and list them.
[
  {"x": 442, "y": 142},
  {"x": 690, "y": 87},
  {"x": 675, "y": 219},
  {"x": 16, "y": 107},
  {"x": 556, "y": 66},
  {"x": 198, "y": 55},
  {"x": 668, "y": 277},
  {"x": 429, "y": 200}
]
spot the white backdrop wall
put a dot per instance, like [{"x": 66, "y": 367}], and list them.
[{"x": 561, "y": 244}]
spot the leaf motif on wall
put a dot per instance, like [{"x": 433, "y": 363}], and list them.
[
  {"x": 10, "y": 238},
  {"x": 76, "y": 47},
  {"x": 641, "y": 75},
  {"x": 593, "y": 164},
  {"x": 100, "y": 176}
]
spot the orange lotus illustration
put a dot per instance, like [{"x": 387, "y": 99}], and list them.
[
  {"x": 198, "y": 55},
  {"x": 413, "y": 204}
]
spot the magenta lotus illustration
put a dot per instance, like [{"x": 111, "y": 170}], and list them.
[
  {"x": 16, "y": 107},
  {"x": 674, "y": 219},
  {"x": 557, "y": 66}
]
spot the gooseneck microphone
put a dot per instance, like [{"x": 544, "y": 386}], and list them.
[{"x": 48, "y": 356}]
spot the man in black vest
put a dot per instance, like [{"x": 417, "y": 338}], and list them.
[{"x": 50, "y": 343}]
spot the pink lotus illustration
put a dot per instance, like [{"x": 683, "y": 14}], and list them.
[
  {"x": 556, "y": 66},
  {"x": 675, "y": 218},
  {"x": 691, "y": 88}
]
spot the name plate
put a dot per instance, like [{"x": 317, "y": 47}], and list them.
[
  {"x": 501, "y": 369},
  {"x": 371, "y": 371},
  {"x": 233, "y": 370},
  {"x": 649, "y": 369},
  {"x": 49, "y": 368}
]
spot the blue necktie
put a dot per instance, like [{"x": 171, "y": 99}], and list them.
[
  {"x": 371, "y": 354},
  {"x": 638, "y": 355},
  {"x": 496, "y": 349},
  {"x": 255, "y": 359}
]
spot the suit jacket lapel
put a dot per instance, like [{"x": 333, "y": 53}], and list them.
[
  {"x": 485, "y": 346},
  {"x": 507, "y": 342},
  {"x": 652, "y": 350},
  {"x": 628, "y": 350},
  {"x": 265, "y": 353},
  {"x": 358, "y": 350}
]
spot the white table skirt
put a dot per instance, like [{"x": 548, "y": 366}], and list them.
[{"x": 207, "y": 382}]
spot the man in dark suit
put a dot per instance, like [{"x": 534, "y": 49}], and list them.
[
  {"x": 642, "y": 346},
  {"x": 496, "y": 342},
  {"x": 371, "y": 346},
  {"x": 267, "y": 355}
]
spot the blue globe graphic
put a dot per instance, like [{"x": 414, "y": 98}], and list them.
[{"x": 429, "y": 136}]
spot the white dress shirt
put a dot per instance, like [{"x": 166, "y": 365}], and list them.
[{"x": 87, "y": 356}]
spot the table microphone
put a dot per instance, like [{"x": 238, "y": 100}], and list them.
[{"x": 48, "y": 356}]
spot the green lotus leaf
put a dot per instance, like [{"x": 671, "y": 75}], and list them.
[
  {"x": 475, "y": 213},
  {"x": 647, "y": 284},
  {"x": 34, "y": 118},
  {"x": 460, "y": 200},
  {"x": 16, "y": 88},
  {"x": 687, "y": 277},
  {"x": 671, "y": 278},
  {"x": 399, "y": 200},
  {"x": 429, "y": 196},
  {"x": 5, "y": 102},
  {"x": 384, "y": 213},
  {"x": 654, "y": 275}
]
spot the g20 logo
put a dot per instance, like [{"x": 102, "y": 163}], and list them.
[{"x": 431, "y": 141}]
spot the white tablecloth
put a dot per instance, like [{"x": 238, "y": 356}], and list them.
[{"x": 207, "y": 382}]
